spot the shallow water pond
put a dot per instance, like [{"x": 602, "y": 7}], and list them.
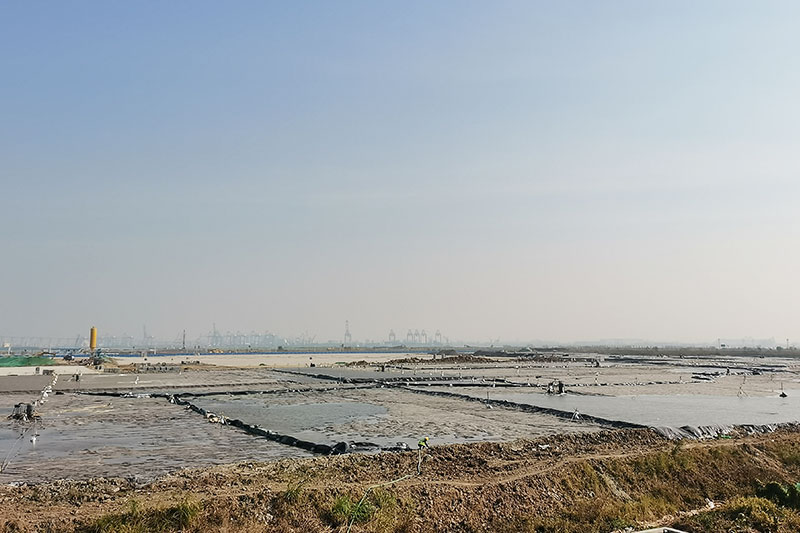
[
  {"x": 315, "y": 421},
  {"x": 255, "y": 409},
  {"x": 661, "y": 410}
]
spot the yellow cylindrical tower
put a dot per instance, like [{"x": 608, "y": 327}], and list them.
[{"x": 93, "y": 339}]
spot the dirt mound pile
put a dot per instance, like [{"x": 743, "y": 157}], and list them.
[{"x": 446, "y": 359}]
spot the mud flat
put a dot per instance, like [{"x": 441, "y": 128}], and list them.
[
  {"x": 385, "y": 417},
  {"x": 83, "y": 435},
  {"x": 135, "y": 427},
  {"x": 140, "y": 439}
]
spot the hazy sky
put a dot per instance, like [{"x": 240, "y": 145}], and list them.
[{"x": 523, "y": 170}]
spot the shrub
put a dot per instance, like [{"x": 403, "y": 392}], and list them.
[{"x": 785, "y": 495}]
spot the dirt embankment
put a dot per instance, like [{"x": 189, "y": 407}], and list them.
[
  {"x": 442, "y": 360},
  {"x": 591, "y": 482}
]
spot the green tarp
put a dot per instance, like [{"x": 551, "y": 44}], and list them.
[{"x": 15, "y": 360}]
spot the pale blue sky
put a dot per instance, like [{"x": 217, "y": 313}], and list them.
[{"x": 521, "y": 170}]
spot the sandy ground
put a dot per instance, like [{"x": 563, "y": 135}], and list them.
[
  {"x": 269, "y": 360},
  {"x": 174, "y": 381},
  {"x": 58, "y": 369},
  {"x": 614, "y": 379},
  {"x": 251, "y": 360}
]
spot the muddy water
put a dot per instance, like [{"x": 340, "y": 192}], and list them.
[
  {"x": 654, "y": 410},
  {"x": 384, "y": 417},
  {"x": 307, "y": 420}
]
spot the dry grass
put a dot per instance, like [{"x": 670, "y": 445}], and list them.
[
  {"x": 152, "y": 520},
  {"x": 744, "y": 514}
]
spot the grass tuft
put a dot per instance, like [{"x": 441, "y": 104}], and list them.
[
  {"x": 293, "y": 491},
  {"x": 346, "y": 509},
  {"x": 137, "y": 520}
]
